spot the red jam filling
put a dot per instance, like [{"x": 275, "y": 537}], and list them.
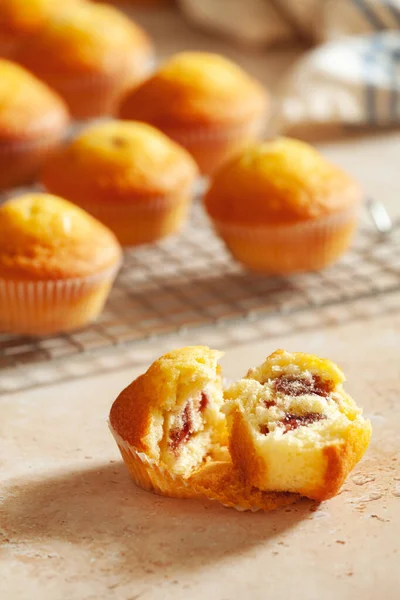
[
  {"x": 269, "y": 403},
  {"x": 264, "y": 429},
  {"x": 181, "y": 435},
  {"x": 203, "y": 401},
  {"x": 291, "y": 422},
  {"x": 296, "y": 386}
]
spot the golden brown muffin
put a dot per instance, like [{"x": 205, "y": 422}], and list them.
[
  {"x": 127, "y": 174},
  {"x": 282, "y": 208},
  {"x": 293, "y": 428},
  {"x": 202, "y": 101},
  {"x": 221, "y": 481},
  {"x": 20, "y": 19},
  {"x": 57, "y": 264},
  {"x": 90, "y": 54},
  {"x": 168, "y": 420},
  {"x": 33, "y": 121}
]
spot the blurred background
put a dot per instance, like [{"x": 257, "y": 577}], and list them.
[{"x": 330, "y": 65}]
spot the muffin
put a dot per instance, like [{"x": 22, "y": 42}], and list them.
[
  {"x": 202, "y": 101},
  {"x": 168, "y": 421},
  {"x": 222, "y": 481},
  {"x": 20, "y": 19},
  {"x": 282, "y": 208},
  {"x": 293, "y": 428},
  {"x": 90, "y": 54},
  {"x": 33, "y": 121},
  {"x": 128, "y": 175},
  {"x": 57, "y": 264}
]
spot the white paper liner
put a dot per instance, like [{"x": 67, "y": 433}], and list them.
[
  {"x": 45, "y": 141},
  {"x": 20, "y": 160},
  {"x": 278, "y": 243},
  {"x": 149, "y": 475},
  {"x": 142, "y": 221},
  {"x": 53, "y": 306},
  {"x": 119, "y": 209},
  {"x": 138, "y": 70},
  {"x": 252, "y": 129},
  {"x": 267, "y": 232}
]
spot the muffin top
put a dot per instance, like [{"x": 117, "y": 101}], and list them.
[
  {"x": 84, "y": 39},
  {"x": 281, "y": 181},
  {"x": 20, "y": 18},
  {"x": 194, "y": 88},
  {"x": 27, "y": 106},
  {"x": 119, "y": 159},
  {"x": 43, "y": 237}
]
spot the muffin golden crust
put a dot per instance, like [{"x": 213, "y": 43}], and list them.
[
  {"x": 20, "y": 19},
  {"x": 279, "y": 182},
  {"x": 128, "y": 175},
  {"x": 171, "y": 413},
  {"x": 43, "y": 237},
  {"x": 33, "y": 121},
  {"x": 195, "y": 89},
  {"x": 124, "y": 160},
  {"x": 221, "y": 481},
  {"x": 202, "y": 101},
  {"x": 89, "y": 54},
  {"x": 293, "y": 428}
]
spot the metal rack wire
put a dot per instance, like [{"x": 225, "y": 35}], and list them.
[{"x": 191, "y": 282}]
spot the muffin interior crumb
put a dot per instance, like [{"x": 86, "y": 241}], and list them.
[
  {"x": 191, "y": 430},
  {"x": 306, "y": 407}
]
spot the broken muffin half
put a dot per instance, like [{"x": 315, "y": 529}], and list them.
[
  {"x": 293, "y": 428},
  {"x": 168, "y": 421}
]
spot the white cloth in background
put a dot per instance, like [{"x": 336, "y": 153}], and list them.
[{"x": 351, "y": 78}]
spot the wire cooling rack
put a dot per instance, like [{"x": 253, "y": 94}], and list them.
[{"x": 189, "y": 282}]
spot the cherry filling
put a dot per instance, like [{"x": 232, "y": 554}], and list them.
[
  {"x": 296, "y": 386},
  {"x": 181, "y": 435},
  {"x": 269, "y": 403},
  {"x": 291, "y": 422},
  {"x": 203, "y": 401}
]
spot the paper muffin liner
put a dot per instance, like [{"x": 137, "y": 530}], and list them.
[
  {"x": 152, "y": 477},
  {"x": 95, "y": 95},
  {"x": 8, "y": 46},
  {"x": 149, "y": 475},
  {"x": 21, "y": 160},
  {"x": 47, "y": 307},
  {"x": 286, "y": 249},
  {"x": 254, "y": 128},
  {"x": 212, "y": 146},
  {"x": 229, "y": 490},
  {"x": 142, "y": 221}
]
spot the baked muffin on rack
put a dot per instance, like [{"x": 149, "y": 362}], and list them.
[
  {"x": 57, "y": 265},
  {"x": 282, "y": 208},
  {"x": 20, "y": 19},
  {"x": 33, "y": 122},
  {"x": 128, "y": 175},
  {"x": 202, "y": 101},
  {"x": 89, "y": 53},
  {"x": 168, "y": 420},
  {"x": 292, "y": 426}
]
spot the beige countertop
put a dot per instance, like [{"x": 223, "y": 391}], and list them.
[{"x": 74, "y": 527}]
